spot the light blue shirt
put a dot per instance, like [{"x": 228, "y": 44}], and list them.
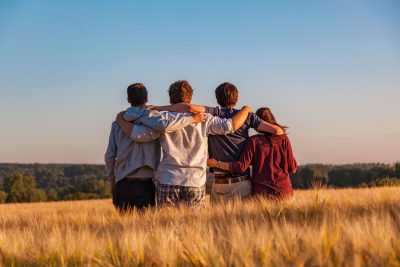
[{"x": 126, "y": 154}]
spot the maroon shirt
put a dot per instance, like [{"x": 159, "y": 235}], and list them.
[{"x": 271, "y": 163}]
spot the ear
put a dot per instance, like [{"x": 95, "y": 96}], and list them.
[
  {"x": 127, "y": 98},
  {"x": 145, "y": 102}
]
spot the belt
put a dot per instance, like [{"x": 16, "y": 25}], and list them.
[
  {"x": 232, "y": 180},
  {"x": 229, "y": 175}
]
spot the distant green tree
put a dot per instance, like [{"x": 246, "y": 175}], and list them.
[
  {"x": 306, "y": 175},
  {"x": 320, "y": 176},
  {"x": 22, "y": 188},
  {"x": 397, "y": 170},
  {"x": 3, "y": 197},
  {"x": 37, "y": 195},
  {"x": 388, "y": 182},
  {"x": 52, "y": 194},
  {"x": 80, "y": 196}
]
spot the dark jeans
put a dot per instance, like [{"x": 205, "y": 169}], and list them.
[{"x": 130, "y": 193}]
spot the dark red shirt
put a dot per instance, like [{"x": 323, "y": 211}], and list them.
[{"x": 272, "y": 164}]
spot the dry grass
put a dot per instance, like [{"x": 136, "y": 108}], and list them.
[{"x": 319, "y": 228}]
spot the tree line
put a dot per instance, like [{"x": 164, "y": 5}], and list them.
[
  {"x": 350, "y": 175},
  {"x": 53, "y": 182}
]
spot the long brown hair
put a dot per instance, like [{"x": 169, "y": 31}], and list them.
[{"x": 266, "y": 115}]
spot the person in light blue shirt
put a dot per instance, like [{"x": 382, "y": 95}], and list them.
[{"x": 131, "y": 161}]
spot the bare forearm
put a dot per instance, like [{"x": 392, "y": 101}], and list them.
[
  {"x": 125, "y": 126},
  {"x": 240, "y": 117},
  {"x": 213, "y": 163},
  {"x": 223, "y": 165},
  {"x": 270, "y": 128},
  {"x": 169, "y": 108},
  {"x": 182, "y": 108}
]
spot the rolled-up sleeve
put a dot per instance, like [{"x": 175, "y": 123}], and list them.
[{"x": 219, "y": 126}]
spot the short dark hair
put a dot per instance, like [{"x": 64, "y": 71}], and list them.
[
  {"x": 180, "y": 91},
  {"x": 137, "y": 94},
  {"x": 227, "y": 94}
]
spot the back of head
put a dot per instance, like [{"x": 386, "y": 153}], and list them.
[
  {"x": 266, "y": 115},
  {"x": 227, "y": 95},
  {"x": 137, "y": 94},
  {"x": 180, "y": 91}
]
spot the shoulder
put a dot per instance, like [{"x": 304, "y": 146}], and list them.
[
  {"x": 168, "y": 114},
  {"x": 209, "y": 117},
  {"x": 254, "y": 120},
  {"x": 114, "y": 127},
  {"x": 216, "y": 111},
  {"x": 258, "y": 138},
  {"x": 175, "y": 115},
  {"x": 253, "y": 116},
  {"x": 152, "y": 113},
  {"x": 285, "y": 138},
  {"x": 281, "y": 140}
]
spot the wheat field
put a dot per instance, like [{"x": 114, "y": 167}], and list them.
[{"x": 351, "y": 227}]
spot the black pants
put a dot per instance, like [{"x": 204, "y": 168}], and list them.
[{"x": 130, "y": 193}]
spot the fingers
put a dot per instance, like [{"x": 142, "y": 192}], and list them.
[
  {"x": 211, "y": 163},
  {"x": 198, "y": 117},
  {"x": 120, "y": 115},
  {"x": 151, "y": 107}
]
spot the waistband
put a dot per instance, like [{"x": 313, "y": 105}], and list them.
[
  {"x": 231, "y": 180},
  {"x": 228, "y": 175}
]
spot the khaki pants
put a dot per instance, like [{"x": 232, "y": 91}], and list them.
[{"x": 227, "y": 192}]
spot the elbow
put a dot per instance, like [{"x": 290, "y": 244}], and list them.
[
  {"x": 191, "y": 109},
  {"x": 235, "y": 126},
  {"x": 109, "y": 161}
]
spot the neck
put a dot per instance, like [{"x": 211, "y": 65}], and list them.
[
  {"x": 139, "y": 106},
  {"x": 231, "y": 106}
]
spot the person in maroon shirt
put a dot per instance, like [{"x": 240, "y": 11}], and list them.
[{"x": 272, "y": 159}]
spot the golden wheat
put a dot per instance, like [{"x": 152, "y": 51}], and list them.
[{"x": 352, "y": 227}]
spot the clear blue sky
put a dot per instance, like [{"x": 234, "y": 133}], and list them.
[{"x": 328, "y": 69}]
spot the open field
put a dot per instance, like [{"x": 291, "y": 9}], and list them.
[{"x": 352, "y": 227}]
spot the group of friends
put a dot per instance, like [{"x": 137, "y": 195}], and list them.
[{"x": 158, "y": 155}]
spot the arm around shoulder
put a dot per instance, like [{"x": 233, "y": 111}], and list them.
[
  {"x": 267, "y": 127},
  {"x": 182, "y": 108},
  {"x": 240, "y": 118}
]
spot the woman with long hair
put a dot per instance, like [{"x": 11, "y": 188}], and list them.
[{"x": 271, "y": 158}]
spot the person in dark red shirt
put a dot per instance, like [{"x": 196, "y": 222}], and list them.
[{"x": 272, "y": 159}]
